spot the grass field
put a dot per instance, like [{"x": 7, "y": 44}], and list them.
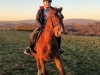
[{"x": 81, "y": 57}]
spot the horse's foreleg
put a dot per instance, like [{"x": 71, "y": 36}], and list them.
[
  {"x": 59, "y": 65},
  {"x": 42, "y": 63},
  {"x": 38, "y": 64},
  {"x": 39, "y": 67}
]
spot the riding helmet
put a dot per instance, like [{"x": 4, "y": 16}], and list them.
[{"x": 48, "y": 1}]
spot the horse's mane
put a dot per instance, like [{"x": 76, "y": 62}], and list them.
[{"x": 58, "y": 11}]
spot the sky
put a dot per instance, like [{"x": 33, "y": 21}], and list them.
[{"x": 27, "y": 9}]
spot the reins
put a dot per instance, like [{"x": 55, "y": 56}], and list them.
[{"x": 53, "y": 24}]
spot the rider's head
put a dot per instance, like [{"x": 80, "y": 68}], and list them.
[{"x": 47, "y": 3}]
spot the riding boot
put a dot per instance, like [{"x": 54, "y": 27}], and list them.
[
  {"x": 32, "y": 47},
  {"x": 58, "y": 41},
  {"x": 59, "y": 44}
]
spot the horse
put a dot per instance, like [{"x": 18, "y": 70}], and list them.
[{"x": 46, "y": 47}]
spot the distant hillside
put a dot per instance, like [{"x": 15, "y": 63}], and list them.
[
  {"x": 79, "y": 21},
  {"x": 18, "y": 25},
  {"x": 66, "y": 22},
  {"x": 82, "y": 26},
  {"x": 72, "y": 26},
  {"x": 17, "y": 22},
  {"x": 28, "y": 21}
]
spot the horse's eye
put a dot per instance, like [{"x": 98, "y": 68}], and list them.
[
  {"x": 58, "y": 29},
  {"x": 53, "y": 16}
]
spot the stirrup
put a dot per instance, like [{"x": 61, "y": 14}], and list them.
[
  {"x": 61, "y": 51},
  {"x": 27, "y": 51}
]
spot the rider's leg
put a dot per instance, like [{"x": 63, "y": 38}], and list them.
[
  {"x": 59, "y": 44},
  {"x": 28, "y": 50},
  {"x": 58, "y": 41},
  {"x": 32, "y": 40},
  {"x": 33, "y": 37}
]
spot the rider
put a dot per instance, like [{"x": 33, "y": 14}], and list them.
[{"x": 41, "y": 21}]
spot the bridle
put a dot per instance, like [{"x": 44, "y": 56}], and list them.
[{"x": 53, "y": 23}]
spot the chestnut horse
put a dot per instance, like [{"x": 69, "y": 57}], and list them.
[{"x": 46, "y": 46}]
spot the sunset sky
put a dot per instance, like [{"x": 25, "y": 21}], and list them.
[{"x": 27, "y": 9}]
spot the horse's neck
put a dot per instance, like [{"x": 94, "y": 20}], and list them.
[
  {"x": 48, "y": 31},
  {"x": 49, "y": 24}
]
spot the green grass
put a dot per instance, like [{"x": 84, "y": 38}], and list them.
[{"x": 82, "y": 55}]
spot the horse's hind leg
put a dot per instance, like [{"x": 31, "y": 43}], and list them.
[{"x": 59, "y": 65}]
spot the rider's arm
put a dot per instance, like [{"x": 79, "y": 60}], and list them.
[{"x": 38, "y": 18}]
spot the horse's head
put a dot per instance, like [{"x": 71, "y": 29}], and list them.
[{"x": 55, "y": 22}]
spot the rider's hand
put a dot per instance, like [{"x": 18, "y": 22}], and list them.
[{"x": 43, "y": 27}]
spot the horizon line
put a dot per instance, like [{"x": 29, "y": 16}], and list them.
[{"x": 64, "y": 19}]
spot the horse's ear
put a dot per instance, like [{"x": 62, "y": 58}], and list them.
[
  {"x": 60, "y": 9},
  {"x": 53, "y": 11}
]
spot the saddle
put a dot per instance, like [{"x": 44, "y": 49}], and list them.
[{"x": 36, "y": 37}]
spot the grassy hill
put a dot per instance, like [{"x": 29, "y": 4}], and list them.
[{"x": 81, "y": 57}]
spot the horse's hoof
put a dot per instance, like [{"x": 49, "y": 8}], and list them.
[{"x": 62, "y": 52}]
